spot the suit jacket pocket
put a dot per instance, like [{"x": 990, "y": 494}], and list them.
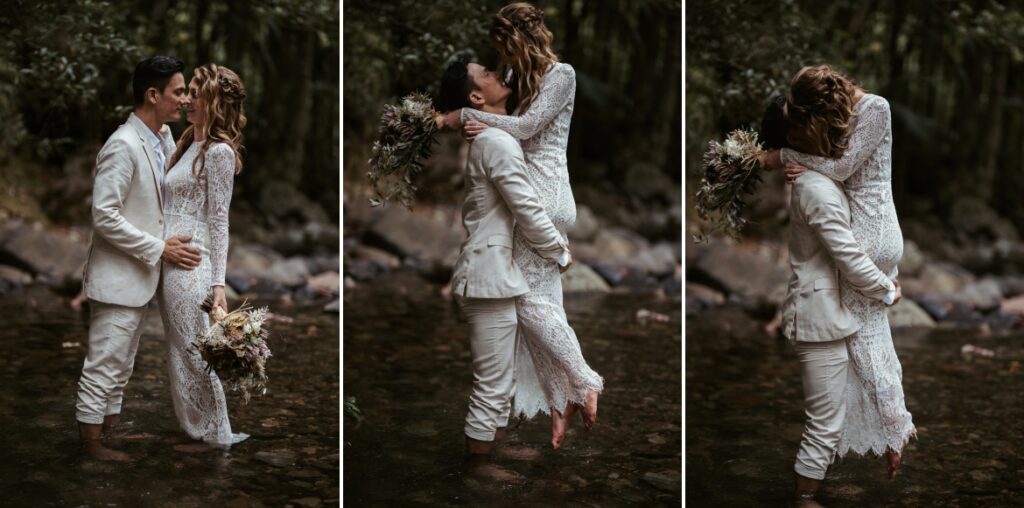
[{"x": 825, "y": 283}]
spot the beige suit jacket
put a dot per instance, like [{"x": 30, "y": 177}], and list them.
[
  {"x": 822, "y": 249},
  {"x": 123, "y": 267},
  {"x": 498, "y": 197}
]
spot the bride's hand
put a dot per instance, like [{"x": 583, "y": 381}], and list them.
[
  {"x": 793, "y": 171},
  {"x": 220, "y": 302},
  {"x": 472, "y": 128}
]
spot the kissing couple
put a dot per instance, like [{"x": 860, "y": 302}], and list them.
[
  {"x": 160, "y": 228},
  {"x": 518, "y": 205}
]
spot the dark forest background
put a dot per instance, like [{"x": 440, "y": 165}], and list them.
[
  {"x": 625, "y": 142},
  {"x": 65, "y": 85},
  {"x": 952, "y": 71}
]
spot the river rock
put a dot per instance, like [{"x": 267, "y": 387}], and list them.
[
  {"x": 382, "y": 260},
  {"x": 49, "y": 255},
  {"x": 12, "y": 278},
  {"x": 668, "y": 481},
  {"x": 913, "y": 259},
  {"x": 290, "y": 273},
  {"x": 938, "y": 278},
  {"x": 282, "y": 458},
  {"x": 700, "y": 297},
  {"x": 586, "y": 225},
  {"x": 432, "y": 245},
  {"x": 325, "y": 284},
  {"x": 752, "y": 278},
  {"x": 243, "y": 256},
  {"x": 984, "y": 295},
  {"x": 333, "y": 307},
  {"x": 321, "y": 263},
  {"x": 1011, "y": 285},
  {"x": 659, "y": 260},
  {"x": 580, "y": 278},
  {"x": 906, "y": 313}
]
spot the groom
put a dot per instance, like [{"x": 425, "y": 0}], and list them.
[
  {"x": 822, "y": 249},
  {"x": 123, "y": 269},
  {"x": 485, "y": 279}
]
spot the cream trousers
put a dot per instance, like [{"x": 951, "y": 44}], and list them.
[
  {"x": 114, "y": 332},
  {"x": 824, "y": 367},
  {"x": 492, "y": 341}
]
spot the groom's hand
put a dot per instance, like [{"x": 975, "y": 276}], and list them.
[
  {"x": 899, "y": 292},
  {"x": 178, "y": 253}
]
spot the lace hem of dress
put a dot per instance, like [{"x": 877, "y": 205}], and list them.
[{"x": 879, "y": 447}]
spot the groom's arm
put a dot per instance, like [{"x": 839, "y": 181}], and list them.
[
  {"x": 823, "y": 209},
  {"x": 113, "y": 177},
  {"x": 507, "y": 171}
]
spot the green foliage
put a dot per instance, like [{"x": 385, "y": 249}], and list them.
[
  {"x": 65, "y": 85},
  {"x": 950, "y": 69}
]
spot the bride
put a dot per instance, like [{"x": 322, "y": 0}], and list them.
[
  {"x": 847, "y": 134},
  {"x": 197, "y": 194},
  {"x": 551, "y": 373}
]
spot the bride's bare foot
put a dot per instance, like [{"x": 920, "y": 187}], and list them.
[
  {"x": 560, "y": 424},
  {"x": 590, "y": 410},
  {"x": 893, "y": 460}
]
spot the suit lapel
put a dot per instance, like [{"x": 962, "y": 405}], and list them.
[{"x": 144, "y": 135}]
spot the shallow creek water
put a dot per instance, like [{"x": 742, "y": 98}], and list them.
[
  {"x": 290, "y": 460},
  {"x": 744, "y": 418},
  {"x": 407, "y": 362}
]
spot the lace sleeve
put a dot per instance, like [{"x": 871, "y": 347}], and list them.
[
  {"x": 556, "y": 91},
  {"x": 872, "y": 125},
  {"x": 220, "y": 181}
]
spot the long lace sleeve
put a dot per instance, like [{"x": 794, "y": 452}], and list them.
[
  {"x": 557, "y": 89},
  {"x": 872, "y": 125},
  {"x": 220, "y": 181}
]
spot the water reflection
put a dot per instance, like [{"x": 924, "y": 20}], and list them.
[
  {"x": 291, "y": 458},
  {"x": 407, "y": 362}
]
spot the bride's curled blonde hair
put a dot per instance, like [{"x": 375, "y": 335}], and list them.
[
  {"x": 524, "y": 44},
  {"x": 820, "y": 108},
  {"x": 223, "y": 94}
]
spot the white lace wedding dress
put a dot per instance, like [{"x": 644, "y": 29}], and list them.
[
  {"x": 550, "y": 369},
  {"x": 876, "y": 415},
  {"x": 200, "y": 210}
]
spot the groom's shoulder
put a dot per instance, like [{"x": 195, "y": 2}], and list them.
[
  {"x": 494, "y": 138},
  {"x": 813, "y": 187}
]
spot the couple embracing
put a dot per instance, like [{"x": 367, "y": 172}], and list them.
[
  {"x": 844, "y": 247},
  {"x": 160, "y": 228},
  {"x": 526, "y": 357}
]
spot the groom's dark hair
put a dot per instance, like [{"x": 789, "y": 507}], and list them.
[
  {"x": 456, "y": 86},
  {"x": 154, "y": 72},
  {"x": 774, "y": 124}
]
